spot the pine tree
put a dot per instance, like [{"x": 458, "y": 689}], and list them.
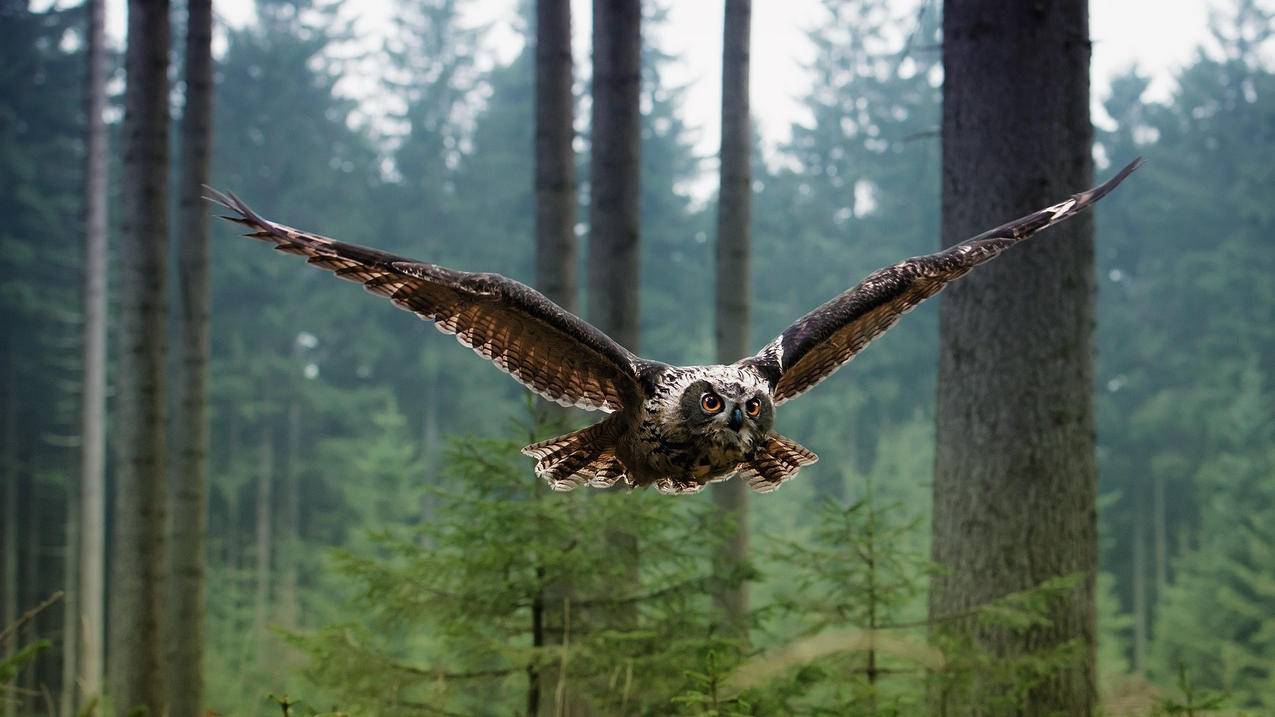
[
  {"x": 138, "y": 573},
  {"x": 1015, "y": 474}
]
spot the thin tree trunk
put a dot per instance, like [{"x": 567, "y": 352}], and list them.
[
  {"x": 1015, "y": 476},
  {"x": 137, "y": 665},
  {"x": 614, "y": 189},
  {"x": 70, "y": 604},
  {"x": 1140, "y": 620},
  {"x": 1160, "y": 527},
  {"x": 555, "y": 155},
  {"x": 9, "y": 523},
  {"x": 264, "y": 544},
  {"x": 92, "y": 524},
  {"x": 733, "y": 281},
  {"x": 290, "y": 523},
  {"x": 189, "y": 506}
]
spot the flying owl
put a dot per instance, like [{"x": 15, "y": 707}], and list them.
[{"x": 677, "y": 428}]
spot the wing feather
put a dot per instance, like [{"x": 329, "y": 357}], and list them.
[
  {"x": 819, "y": 343},
  {"x": 546, "y": 348}
]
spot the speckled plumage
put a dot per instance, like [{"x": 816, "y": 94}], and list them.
[{"x": 661, "y": 430}]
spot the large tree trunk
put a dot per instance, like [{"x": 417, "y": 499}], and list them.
[
  {"x": 92, "y": 525},
  {"x": 136, "y": 664},
  {"x": 556, "y": 252},
  {"x": 733, "y": 248},
  {"x": 614, "y": 170},
  {"x": 189, "y": 522},
  {"x": 1015, "y": 476},
  {"x": 614, "y": 203}
]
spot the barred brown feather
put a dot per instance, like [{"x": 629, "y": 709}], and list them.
[
  {"x": 544, "y": 347},
  {"x": 819, "y": 343}
]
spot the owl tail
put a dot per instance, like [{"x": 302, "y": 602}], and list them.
[
  {"x": 776, "y": 460},
  {"x": 586, "y": 456}
]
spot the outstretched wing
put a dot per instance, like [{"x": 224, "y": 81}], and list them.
[
  {"x": 549, "y": 350},
  {"x": 817, "y": 344}
]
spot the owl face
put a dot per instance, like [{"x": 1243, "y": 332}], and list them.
[{"x": 730, "y": 413}]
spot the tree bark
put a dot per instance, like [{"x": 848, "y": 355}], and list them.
[
  {"x": 261, "y": 604},
  {"x": 614, "y": 189},
  {"x": 1140, "y": 620},
  {"x": 1015, "y": 476},
  {"x": 189, "y": 499},
  {"x": 70, "y": 604},
  {"x": 137, "y": 665},
  {"x": 92, "y": 526},
  {"x": 555, "y": 155},
  {"x": 734, "y": 205},
  {"x": 556, "y": 269},
  {"x": 290, "y": 523}
]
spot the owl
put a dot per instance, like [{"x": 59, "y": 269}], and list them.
[{"x": 677, "y": 428}]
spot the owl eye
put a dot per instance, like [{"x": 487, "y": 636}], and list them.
[
  {"x": 710, "y": 403},
  {"x": 752, "y": 408}
]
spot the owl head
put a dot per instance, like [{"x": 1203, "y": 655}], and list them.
[{"x": 727, "y": 406}]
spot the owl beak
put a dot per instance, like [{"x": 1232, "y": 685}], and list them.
[{"x": 736, "y": 419}]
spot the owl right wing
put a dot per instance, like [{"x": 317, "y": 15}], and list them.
[
  {"x": 545, "y": 347},
  {"x": 819, "y": 343}
]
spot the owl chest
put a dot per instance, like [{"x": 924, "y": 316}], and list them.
[{"x": 673, "y": 451}]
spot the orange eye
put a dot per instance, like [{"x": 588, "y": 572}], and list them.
[
  {"x": 710, "y": 403},
  {"x": 753, "y": 408}
]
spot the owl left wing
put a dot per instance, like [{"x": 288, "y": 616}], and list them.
[
  {"x": 817, "y": 344},
  {"x": 545, "y": 347}
]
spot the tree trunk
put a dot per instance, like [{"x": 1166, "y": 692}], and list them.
[
  {"x": 614, "y": 189},
  {"x": 261, "y": 604},
  {"x": 614, "y": 194},
  {"x": 1160, "y": 527},
  {"x": 1015, "y": 476},
  {"x": 290, "y": 523},
  {"x": 92, "y": 526},
  {"x": 9, "y": 521},
  {"x": 136, "y": 665},
  {"x": 555, "y": 155},
  {"x": 733, "y": 281},
  {"x": 70, "y": 604},
  {"x": 556, "y": 263},
  {"x": 1140, "y": 620},
  {"x": 189, "y": 500}
]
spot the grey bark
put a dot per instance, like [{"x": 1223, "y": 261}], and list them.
[
  {"x": 70, "y": 604},
  {"x": 264, "y": 544},
  {"x": 1015, "y": 476},
  {"x": 1160, "y": 526},
  {"x": 556, "y": 262},
  {"x": 137, "y": 664},
  {"x": 189, "y": 499},
  {"x": 1140, "y": 619},
  {"x": 614, "y": 189},
  {"x": 92, "y": 524},
  {"x": 733, "y": 279},
  {"x": 290, "y": 523},
  {"x": 555, "y": 155}
]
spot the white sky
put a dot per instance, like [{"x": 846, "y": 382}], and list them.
[{"x": 1160, "y": 36}]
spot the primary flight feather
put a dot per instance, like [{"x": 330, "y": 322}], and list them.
[{"x": 678, "y": 428}]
